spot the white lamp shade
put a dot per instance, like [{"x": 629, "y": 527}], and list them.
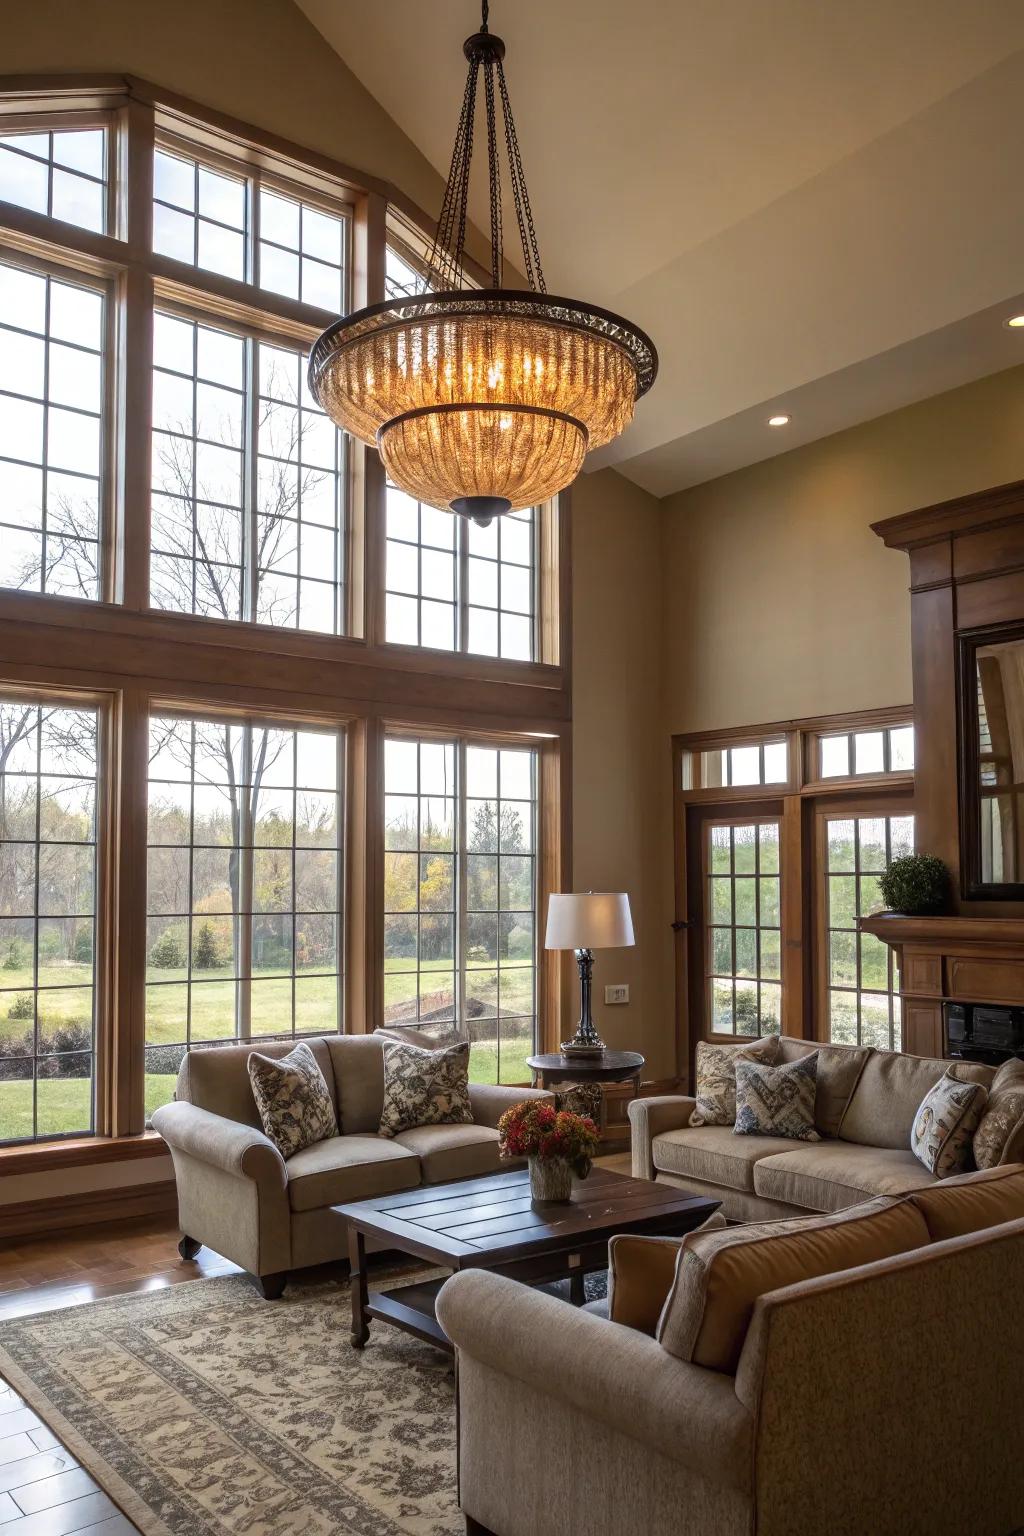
[{"x": 589, "y": 920}]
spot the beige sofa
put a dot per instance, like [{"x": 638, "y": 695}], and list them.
[
  {"x": 865, "y": 1107},
  {"x": 238, "y": 1196},
  {"x": 873, "y": 1401}
]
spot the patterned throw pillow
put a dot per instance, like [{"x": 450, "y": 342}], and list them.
[
  {"x": 945, "y": 1123},
  {"x": 293, "y": 1100},
  {"x": 777, "y": 1101},
  {"x": 716, "y": 1077},
  {"x": 424, "y": 1087},
  {"x": 1004, "y": 1112}
]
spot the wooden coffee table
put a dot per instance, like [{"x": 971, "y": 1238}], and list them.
[{"x": 491, "y": 1223}]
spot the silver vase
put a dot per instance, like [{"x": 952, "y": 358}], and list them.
[{"x": 551, "y": 1180}]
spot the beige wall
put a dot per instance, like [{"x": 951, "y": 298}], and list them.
[
  {"x": 621, "y": 752},
  {"x": 780, "y": 600}
]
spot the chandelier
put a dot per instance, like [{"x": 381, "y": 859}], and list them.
[{"x": 482, "y": 401}]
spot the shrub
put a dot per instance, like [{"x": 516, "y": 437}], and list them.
[
  {"x": 205, "y": 949},
  {"x": 17, "y": 955},
  {"x": 64, "y": 1036},
  {"x": 916, "y": 884},
  {"x": 168, "y": 953},
  {"x": 23, "y": 1007},
  {"x": 16, "y": 1058}
]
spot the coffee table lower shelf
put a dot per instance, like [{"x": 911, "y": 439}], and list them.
[{"x": 411, "y": 1307}]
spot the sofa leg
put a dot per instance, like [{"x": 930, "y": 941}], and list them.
[
  {"x": 188, "y": 1248},
  {"x": 271, "y": 1287}
]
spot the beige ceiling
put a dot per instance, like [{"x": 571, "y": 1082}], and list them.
[{"x": 809, "y": 204}]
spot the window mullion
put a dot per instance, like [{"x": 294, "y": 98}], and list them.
[
  {"x": 462, "y": 888},
  {"x": 462, "y": 585},
  {"x": 243, "y": 899},
  {"x": 250, "y": 518}
]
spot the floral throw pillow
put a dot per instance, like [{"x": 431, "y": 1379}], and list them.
[
  {"x": 424, "y": 1087},
  {"x": 293, "y": 1100},
  {"x": 945, "y": 1123},
  {"x": 1004, "y": 1112},
  {"x": 716, "y": 1077},
  {"x": 777, "y": 1101}
]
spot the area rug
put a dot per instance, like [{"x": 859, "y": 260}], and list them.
[{"x": 204, "y": 1409}]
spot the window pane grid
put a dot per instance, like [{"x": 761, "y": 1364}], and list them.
[
  {"x": 453, "y": 586},
  {"x": 301, "y": 251},
  {"x": 247, "y": 519},
  {"x": 460, "y": 898},
  {"x": 743, "y": 956},
  {"x": 51, "y": 431},
  {"x": 244, "y": 888},
  {"x": 62, "y": 174},
  {"x": 863, "y": 990},
  {"x": 852, "y": 754},
  {"x": 401, "y": 281},
  {"x": 48, "y": 781},
  {"x": 763, "y": 762}
]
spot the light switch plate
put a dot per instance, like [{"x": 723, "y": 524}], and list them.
[{"x": 619, "y": 994}]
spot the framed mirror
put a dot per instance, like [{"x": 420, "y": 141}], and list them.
[{"x": 991, "y": 730}]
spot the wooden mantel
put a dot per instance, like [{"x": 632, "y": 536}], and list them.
[{"x": 950, "y": 959}]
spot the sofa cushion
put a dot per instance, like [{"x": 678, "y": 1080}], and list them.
[
  {"x": 294, "y": 1102},
  {"x": 453, "y": 1151},
  {"x": 839, "y": 1070},
  {"x": 715, "y": 1071},
  {"x": 889, "y": 1093},
  {"x": 217, "y": 1078},
  {"x": 944, "y": 1126},
  {"x": 834, "y": 1175},
  {"x": 776, "y": 1101},
  {"x": 349, "y": 1168},
  {"x": 720, "y": 1275},
  {"x": 640, "y": 1275},
  {"x": 714, "y": 1155},
  {"x": 973, "y": 1201},
  {"x": 1004, "y": 1113},
  {"x": 358, "y": 1064}
]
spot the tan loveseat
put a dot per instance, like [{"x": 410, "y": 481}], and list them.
[
  {"x": 875, "y": 1399},
  {"x": 865, "y": 1107},
  {"x": 238, "y": 1196}
]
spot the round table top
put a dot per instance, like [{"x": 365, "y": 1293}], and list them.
[{"x": 623, "y": 1062}]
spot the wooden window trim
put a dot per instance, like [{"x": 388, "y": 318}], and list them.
[{"x": 139, "y": 659}]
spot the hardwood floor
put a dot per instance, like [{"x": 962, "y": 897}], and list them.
[{"x": 43, "y": 1490}]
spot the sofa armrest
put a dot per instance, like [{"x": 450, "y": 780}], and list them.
[
  {"x": 652, "y": 1117},
  {"x": 489, "y": 1102},
  {"x": 226, "y": 1144},
  {"x": 604, "y": 1372}
]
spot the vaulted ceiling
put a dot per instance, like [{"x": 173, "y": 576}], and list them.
[{"x": 812, "y": 208}]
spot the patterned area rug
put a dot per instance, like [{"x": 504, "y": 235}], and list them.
[{"x": 205, "y": 1411}]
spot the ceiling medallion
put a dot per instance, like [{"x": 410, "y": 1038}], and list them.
[{"x": 482, "y": 400}]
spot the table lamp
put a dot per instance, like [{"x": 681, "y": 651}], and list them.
[{"x": 584, "y": 921}]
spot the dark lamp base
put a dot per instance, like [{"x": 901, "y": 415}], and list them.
[{"x": 481, "y": 510}]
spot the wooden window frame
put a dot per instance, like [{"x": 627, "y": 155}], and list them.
[
  {"x": 140, "y": 659},
  {"x": 766, "y": 813},
  {"x": 794, "y": 803}
]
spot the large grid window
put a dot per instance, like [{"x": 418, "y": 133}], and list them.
[
  {"x": 62, "y": 174},
  {"x": 401, "y": 281},
  {"x": 199, "y": 214},
  {"x": 244, "y": 890},
  {"x": 743, "y": 930},
  {"x": 460, "y": 898},
  {"x": 48, "y": 776},
  {"x": 51, "y": 432},
  {"x": 760, "y": 762},
  {"x": 453, "y": 586},
  {"x": 863, "y": 993},
  {"x": 248, "y": 484}
]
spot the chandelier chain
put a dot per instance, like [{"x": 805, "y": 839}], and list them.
[
  {"x": 520, "y": 195},
  {"x": 494, "y": 181}
]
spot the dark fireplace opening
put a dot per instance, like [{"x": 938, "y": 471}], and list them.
[{"x": 979, "y": 1032}]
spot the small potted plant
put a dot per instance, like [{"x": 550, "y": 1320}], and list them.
[
  {"x": 916, "y": 885},
  {"x": 556, "y": 1143}
]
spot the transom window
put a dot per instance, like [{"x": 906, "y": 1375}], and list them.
[
  {"x": 849, "y": 754},
  {"x": 743, "y": 953},
  {"x": 248, "y": 483},
  {"x": 48, "y": 782},
  {"x": 760, "y": 762},
  {"x": 453, "y": 586},
  {"x": 244, "y": 888},
  {"x": 51, "y": 432},
  {"x": 62, "y": 174},
  {"x": 460, "y": 898}
]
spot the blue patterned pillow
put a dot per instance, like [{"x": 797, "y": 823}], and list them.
[{"x": 777, "y": 1101}]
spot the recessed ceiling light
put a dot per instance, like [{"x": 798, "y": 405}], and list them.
[
  {"x": 1016, "y": 322},
  {"x": 783, "y": 421}
]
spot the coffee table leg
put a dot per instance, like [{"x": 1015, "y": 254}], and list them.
[
  {"x": 357, "y": 1280},
  {"x": 577, "y": 1291}
]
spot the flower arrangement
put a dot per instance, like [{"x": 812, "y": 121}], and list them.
[{"x": 535, "y": 1129}]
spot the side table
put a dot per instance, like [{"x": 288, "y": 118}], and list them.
[{"x": 611, "y": 1067}]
